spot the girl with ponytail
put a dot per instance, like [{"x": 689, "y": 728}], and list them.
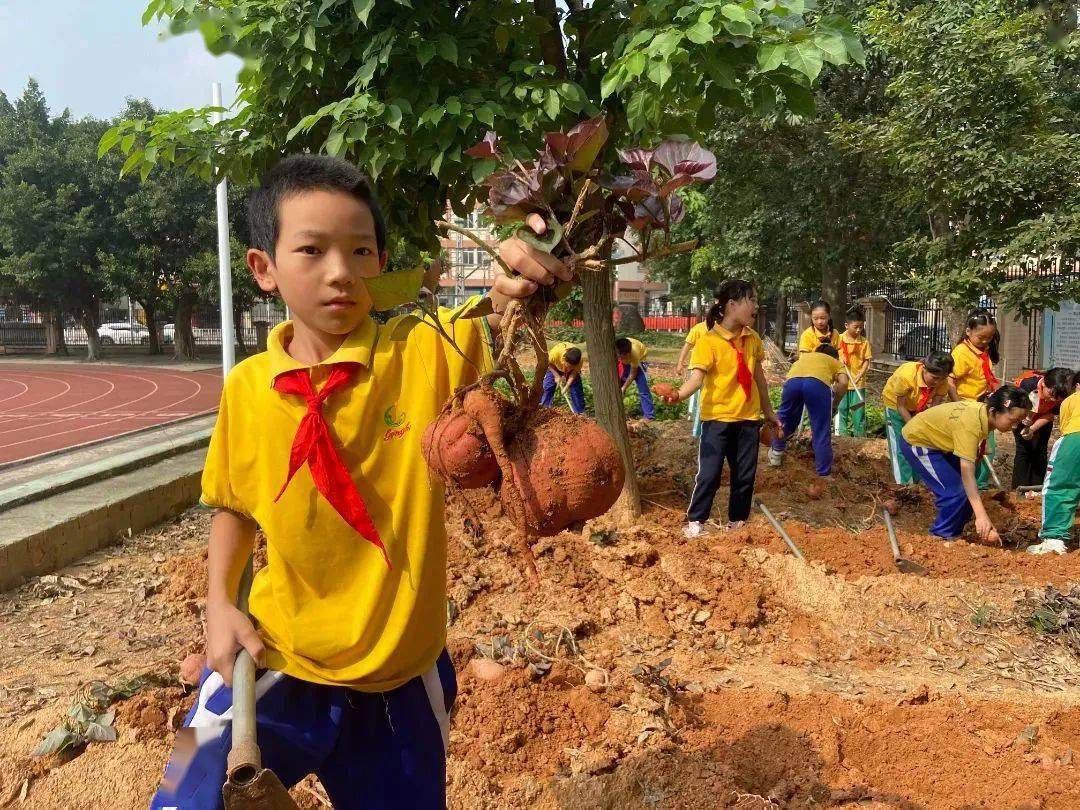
[
  {"x": 973, "y": 375},
  {"x": 821, "y": 331},
  {"x": 726, "y": 366}
]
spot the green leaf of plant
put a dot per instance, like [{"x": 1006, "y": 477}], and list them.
[
  {"x": 635, "y": 63},
  {"x": 425, "y": 51},
  {"x": 97, "y": 732},
  {"x": 485, "y": 115},
  {"x": 700, "y": 33},
  {"x": 502, "y": 37},
  {"x": 659, "y": 72},
  {"x": 134, "y": 159},
  {"x": 363, "y": 9},
  {"x": 482, "y": 168},
  {"x": 108, "y": 141},
  {"x": 453, "y": 106},
  {"x": 805, "y": 58},
  {"x": 735, "y": 13},
  {"x": 447, "y": 48},
  {"x": 770, "y": 56},
  {"x": 393, "y": 116},
  {"x": 552, "y": 104},
  {"x": 832, "y": 47},
  {"x": 335, "y": 142},
  {"x": 55, "y": 741},
  {"x": 309, "y": 38},
  {"x": 855, "y": 50}
]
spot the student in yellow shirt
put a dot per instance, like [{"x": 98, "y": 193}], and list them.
[
  {"x": 564, "y": 370},
  {"x": 820, "y": 330},
  {"x": 911, "y": 389},
  {"x": 317, "y": 442},
  {"x": 973, "y": 374},
  {"x": 855, "y": 354},
  {"x": 817, "y": 382},
  {"x": 694, "y": 405},
  {"x": 633, "y": 369},
  {"x": 944, "y": 445},
  {"x": 1061, "y": 489},
  {"x": 726, "y": 366}
]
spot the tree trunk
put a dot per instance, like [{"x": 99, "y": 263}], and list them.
[
  {"x": 88, "y": 318},
  {"x": 834, "y": 289},
  {"x": 630, "y": 321},
  {"x": 238, "y": 330},
  {"x": 183, "y": 339},
  {"x": 607, "y": 396},
  {"x": 154, "y": 347},
  {"x": 780, "y": 326},
  {"x": 54, "y": 332}
]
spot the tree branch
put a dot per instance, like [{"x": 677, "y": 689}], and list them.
[{"x": 551, "y": 44}]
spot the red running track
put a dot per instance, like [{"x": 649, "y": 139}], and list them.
[{"x": 44, "y": 408}]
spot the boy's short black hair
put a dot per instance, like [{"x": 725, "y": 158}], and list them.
[
  {"x": 622, "y": 345},
  {"x": 829, "y": 349},
  {"x": 939, "y": 363},
  {"x": 1076, "y": 380},
  {"x": 301, "y": 173},
  {"x": 1059, "y": 382},
  {"x": 855, "y": 313},
  {"x": 572, "y": 356}
]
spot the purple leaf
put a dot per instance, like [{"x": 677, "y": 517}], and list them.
[
  {"x": 650, "y": 211},
  {"x": 684, "y": 159},
  {"x": 636, "y": 158},
  {"x": 487, "y": 148},
  {"x": 634, "y": 187},
  {"x": 576, "y": 149}
]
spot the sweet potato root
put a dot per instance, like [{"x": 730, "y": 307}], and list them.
[{"x": 454, "y": 447}]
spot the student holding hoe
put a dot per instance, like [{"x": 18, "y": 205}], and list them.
[{"x": 317, "y": 443}]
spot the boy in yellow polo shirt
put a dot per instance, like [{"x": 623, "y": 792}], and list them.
[
  {"x": 317, "y": 442},
  {"x": 911, "y": 389},
  {"x": 726, "y": 365},
  {"x": 633, "y": 369},
  {"x": 564, "y": 370},
  {"x": 1061, "y": 490},
  {"x": 816, "y": 381},
  {"x": 944, "y": 446},
  {"x": 855, "y": 354}
]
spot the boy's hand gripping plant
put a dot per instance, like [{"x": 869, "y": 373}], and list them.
[{"x": 553, "y": 469}]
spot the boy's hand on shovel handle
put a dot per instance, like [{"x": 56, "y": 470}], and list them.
[{"x": 227, "y": 631}]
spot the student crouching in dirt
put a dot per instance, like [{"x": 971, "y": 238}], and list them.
[{"x": 912, "y": 388}]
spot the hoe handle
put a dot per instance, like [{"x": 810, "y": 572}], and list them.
[{"x": 245, "y": 752}]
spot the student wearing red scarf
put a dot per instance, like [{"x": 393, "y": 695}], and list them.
[
  {"x": 726, "y": 365},
  {"x": 911, "y": 389},
  {"x": 974, "y": 358}
]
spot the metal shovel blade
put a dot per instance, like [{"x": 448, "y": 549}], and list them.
[
  {"x": 259, "y": 789},
  {"x": 904, "y": 566}
]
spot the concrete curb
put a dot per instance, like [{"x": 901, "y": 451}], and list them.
[
  {"x": 68, "y": 480},
  {"x": 40, "y": 537}
]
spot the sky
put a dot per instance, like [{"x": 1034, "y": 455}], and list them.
[{"x": 89, "y": 55}]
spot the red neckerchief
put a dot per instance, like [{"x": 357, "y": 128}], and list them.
[
  {"x": 313, "y": 444},
  {"x": 742, "y": 371},
  {"x": 988, "y": 373},
  {"x": 826, "y": 338},
  {"x": 924, "y": 393}
]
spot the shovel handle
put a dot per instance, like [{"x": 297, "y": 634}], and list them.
[
  {"x": 993, "y": 473},
  {"x": 780, "y": 530},
  {"x": 1032, "y": 488},
  {"x": 892, "y": 534},
  {"x": 245, "y": 750}
]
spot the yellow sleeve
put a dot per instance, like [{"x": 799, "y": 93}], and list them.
[
  {"x": 868, "y": 353},
  {"x": 758, "y": 351},
  {"x": 217, "y": 482},
  {"x": 695, "y": 333},
  {"x": 837, "y": 369},
  {"x": 968, "y": 434},
  {"x": 807, "y": 341},
  {"x": 643, "y": 352},
  {"x": 555, "y": 355},
  {"x": 702, "y": 356}
]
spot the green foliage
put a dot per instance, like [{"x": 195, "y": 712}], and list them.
[{"x": 402, "y": 88}]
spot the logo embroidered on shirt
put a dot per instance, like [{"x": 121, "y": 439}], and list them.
[{"x": 396, "y": 426}]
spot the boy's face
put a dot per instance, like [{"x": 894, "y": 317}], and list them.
[
  {"x": 854, "y": 328},
  {"x": 326, "y": 247},
  {"x": 820, "y": 319},
  {"x": 933, "y": 380}
]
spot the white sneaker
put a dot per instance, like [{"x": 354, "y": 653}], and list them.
[
  {"x": 1050, "y": 546},
  {"x": 775, "y": 458},
  {"x": 693, "y": 529}
]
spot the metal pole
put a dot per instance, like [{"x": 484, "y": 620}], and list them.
[{"x": 228, "y": 351}]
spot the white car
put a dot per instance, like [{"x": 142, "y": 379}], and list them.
[{"x": 125, "y": 334}]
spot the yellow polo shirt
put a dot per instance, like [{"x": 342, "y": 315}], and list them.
[
  {"x": 857, "y": 359},
  {"x": 1069, "y": 416},
  {"x": 327, "y": 606},
  {"x": 557, "y": 361},
  {"x": 638, "y": 352},
  {"x": 817, "y": 365},
  {"x": 722, "y": 398},
  {"x": 811, "y": 339},
  {"x": 953, "y": 427},
  {"x": 967, "y": 372},
  {"x": 695, "y": 333},
  {"x": 905, "y": 387}
]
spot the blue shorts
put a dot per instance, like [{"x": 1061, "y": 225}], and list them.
[{"x": 371, "y": 750}]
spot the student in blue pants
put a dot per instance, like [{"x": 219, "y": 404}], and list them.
[
  {"x": 817, "y": 382},
  {"x": 632, "y": 369},
  {"x": 945, "y": 445}
]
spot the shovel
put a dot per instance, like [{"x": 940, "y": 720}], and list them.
[
  {"x": 780, "y": 531},
  {"x": 1002, "y": 495},
  {"x": 248, "y": 785},
  {"x": 904, "y": 566}
]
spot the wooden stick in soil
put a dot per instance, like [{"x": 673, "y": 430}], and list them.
[{"x": 780, "y": 531}]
